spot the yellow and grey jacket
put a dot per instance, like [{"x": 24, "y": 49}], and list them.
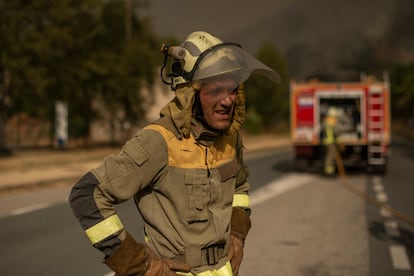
[
  {"x": 185, "y": 180},
  {"x": 329, "y": 131}
]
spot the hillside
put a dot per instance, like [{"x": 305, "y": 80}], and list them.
[{"x": 317, "y": 37}]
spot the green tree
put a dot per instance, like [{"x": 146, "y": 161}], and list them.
[
  {"x": 118, "y": 65},
  {"x": 402, "y": 89},
  {"x": 76, "y": 51},
  {"x": 17, "y": 32},
  {"x": 269, "y": 101}
]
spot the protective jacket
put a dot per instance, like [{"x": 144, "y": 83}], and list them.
[
  {"x": 329, "y": 140},
  {"x": 329, "y": 131},
  {"x": 186, "y": 181}
]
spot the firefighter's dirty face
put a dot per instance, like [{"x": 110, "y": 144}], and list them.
[{"x": 218, "y": 99}]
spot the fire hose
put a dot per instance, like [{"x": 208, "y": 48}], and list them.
[{"x": 363, "y": 195}]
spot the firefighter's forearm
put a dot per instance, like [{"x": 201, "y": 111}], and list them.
[{"x": 103, "y": 230}]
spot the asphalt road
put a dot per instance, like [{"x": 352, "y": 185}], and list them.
[{"x": 303, "y": 224}]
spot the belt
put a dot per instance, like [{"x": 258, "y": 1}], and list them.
[{"x": 196, "y": 256}]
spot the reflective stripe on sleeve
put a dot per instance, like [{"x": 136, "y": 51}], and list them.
[
  {"x": 104, "y": 229},
  {"x": 241, "y": 200}
]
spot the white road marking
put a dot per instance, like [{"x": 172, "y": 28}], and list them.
[
  {"x": 398, "y": 253},
  {"x": 399, "y": 257},
  {"x": 385, "y": 212},
  {"x": 32, "y": 201},
  {"x": 376, "y": 180},
  {"x": 391, "y": 227},
  {"x": 381, "y": 197},
  {"x": 29, "y": 209},
  {"x": 378, "y": 188},
  {"x": 278, "y": 187}
]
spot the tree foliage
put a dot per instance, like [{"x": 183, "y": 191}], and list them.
[
  {"x": 402, "y": 91},
  {"x": 76, "y": 51},
  {"x": 265, "y": 99}
]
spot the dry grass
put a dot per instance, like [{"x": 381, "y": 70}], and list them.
[{"x": 23, "y": 160}]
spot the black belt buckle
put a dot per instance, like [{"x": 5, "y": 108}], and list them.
[{"x": 212, "y": 255}]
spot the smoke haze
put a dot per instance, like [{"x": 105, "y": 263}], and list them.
[{"x": 324, "y": 38}]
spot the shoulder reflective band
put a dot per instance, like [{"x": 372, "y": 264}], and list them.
[
  {"x": 104, "y": 229},
  {"x": 241, "y": 200}
]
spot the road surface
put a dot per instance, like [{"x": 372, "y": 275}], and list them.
[{"x": 303, "y": 224}]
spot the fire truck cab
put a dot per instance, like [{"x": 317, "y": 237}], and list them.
[{"x": 363, "y": 122}]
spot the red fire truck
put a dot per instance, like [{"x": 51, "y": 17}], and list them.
[{"x": 363, "y": 120}]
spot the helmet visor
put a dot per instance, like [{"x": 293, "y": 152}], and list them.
[{"x": 230, "y": 61}]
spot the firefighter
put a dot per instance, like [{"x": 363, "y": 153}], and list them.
[
  {"x": 185, "y": 171},
  {"x": 329, "y": 140}
]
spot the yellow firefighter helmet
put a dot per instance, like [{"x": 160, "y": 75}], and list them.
[{"x": 203, "y": 57}]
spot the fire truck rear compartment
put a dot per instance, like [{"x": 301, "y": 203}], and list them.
[
  {"x": 348, "y": 120},
  {"x": 362, "y": 127}
]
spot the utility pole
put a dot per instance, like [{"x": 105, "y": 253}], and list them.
[{"x": 61, "y": 124}]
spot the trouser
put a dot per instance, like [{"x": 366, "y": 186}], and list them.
[
  {"x": 330, "y": 159},
  {"x": 225, "y": 270}
]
